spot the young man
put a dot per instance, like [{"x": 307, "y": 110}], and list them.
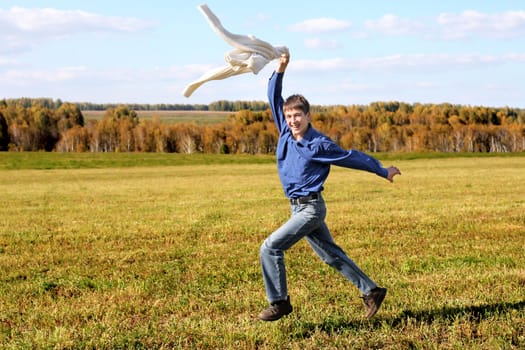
[{"x": 304, "y": 156}]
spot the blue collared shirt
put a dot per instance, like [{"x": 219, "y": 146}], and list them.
[{"x": 304, "y": 165}]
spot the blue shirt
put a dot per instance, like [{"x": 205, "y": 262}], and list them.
[{"x": 304, "y": 165}]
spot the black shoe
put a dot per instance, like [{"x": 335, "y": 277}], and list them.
[
  {"x": 276, "y": 310},
  {"x": 373, "y": 300}
]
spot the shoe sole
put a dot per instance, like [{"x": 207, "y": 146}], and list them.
[
  {"x": 382, "y": 296},
  {"x": 275, "y": 318}
]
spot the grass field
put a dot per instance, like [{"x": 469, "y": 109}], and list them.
[
  {"x": 160, "y": 251},
  {"x": 170, "y": 117}
]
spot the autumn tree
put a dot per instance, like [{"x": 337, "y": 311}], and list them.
[
  {"x": 74, "y": 139},
  {"x": 44, "y": 124},
  {"x": 68, "y": 115}
]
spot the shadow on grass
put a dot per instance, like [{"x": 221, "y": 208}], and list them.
[{"x": 475, "y": 314}]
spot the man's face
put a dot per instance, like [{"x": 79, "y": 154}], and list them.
[{"x": 297, "y": 122}]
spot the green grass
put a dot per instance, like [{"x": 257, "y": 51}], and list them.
[
  {"x": 154, "y": 252},
  {"x": 50, "y": 160}
]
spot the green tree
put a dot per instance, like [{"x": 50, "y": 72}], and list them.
[
  {"x": 67, "y": 116},
  {"x": 4, "y": 133}
]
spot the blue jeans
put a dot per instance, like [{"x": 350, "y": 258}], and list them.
[{"x": 307, "y": 220}]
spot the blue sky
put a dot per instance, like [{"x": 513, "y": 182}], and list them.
[{"x": 342, "y": 52}]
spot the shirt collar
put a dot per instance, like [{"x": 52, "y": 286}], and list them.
[{"x": 308, "y": 136}]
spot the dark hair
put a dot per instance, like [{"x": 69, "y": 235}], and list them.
[{"x": 297, "y": 102}]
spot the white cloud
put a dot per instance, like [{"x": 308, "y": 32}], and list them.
[
  {"x": 62, "y": 22},
  {"x": 348, "y": 84},
  {"x": 396, "y": 63},
  {"x": 427, "y": 84},
  {"x": 7, "y": 61},
  {"x": 514, "y": 57},
  {"x": 333, "y": 64},
  {"x": 453, "y": 26},
  {"x": 26, "y": 77},
  {"x": 22, "y": 28},
  {"x": 430, "y": 62},
  {"x": 400, "y": 63},
  {"x": 262, "y": 17},
  {"x": 467, "y": 24},
  {"x": 323, "y": 44},
  {"x": 391, "y": 24},
  {"x": 320, "y": 25}
]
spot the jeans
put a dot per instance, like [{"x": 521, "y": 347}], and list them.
[{"x": 307, "y": 220}]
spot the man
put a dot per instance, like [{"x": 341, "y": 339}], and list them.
[{"x": 304, "y": 156}]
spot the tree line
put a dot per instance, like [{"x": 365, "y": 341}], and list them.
[
  {"x": 47, "y": 125},
  {"x": 221, "y": 105}
]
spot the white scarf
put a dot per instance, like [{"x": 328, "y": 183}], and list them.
[{"x": 250, "y": 54}]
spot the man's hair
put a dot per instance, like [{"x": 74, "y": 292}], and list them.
[{"x": 297, "y": 102}]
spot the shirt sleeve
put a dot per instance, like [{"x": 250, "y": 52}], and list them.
[
  {"x": 329, "y": 152},
  {"x": 275, "y": 87}
]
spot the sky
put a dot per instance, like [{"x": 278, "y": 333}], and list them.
[{"x": 341, "y": 52}]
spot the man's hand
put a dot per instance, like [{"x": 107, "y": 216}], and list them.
[
  {"x": 392, "y": 171},
  {"x": 283, "y": 62}
]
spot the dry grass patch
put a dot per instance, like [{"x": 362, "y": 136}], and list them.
[{"x": 167, "y": 257}]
